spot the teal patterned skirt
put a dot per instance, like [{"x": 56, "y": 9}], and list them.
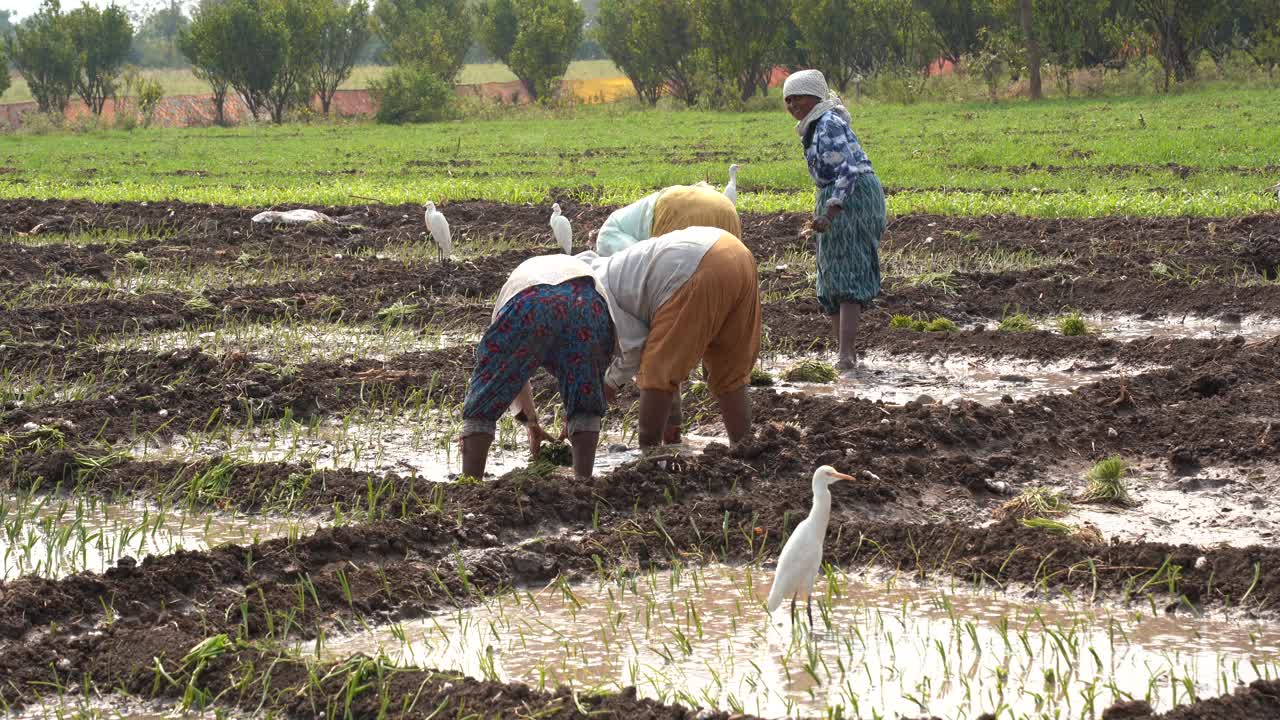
[{"x": 849, "y": 252}]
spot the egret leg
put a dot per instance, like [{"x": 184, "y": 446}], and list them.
[
  {"x": 808, "y": 608},
  {"x": 793, "y": 609}
]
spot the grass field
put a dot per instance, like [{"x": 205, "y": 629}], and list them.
[
  {"x": 1210, "y": 153},
  {"x": 182, "y": 82}
]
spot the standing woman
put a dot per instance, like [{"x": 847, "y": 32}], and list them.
[{"x": 850, "y": 214}]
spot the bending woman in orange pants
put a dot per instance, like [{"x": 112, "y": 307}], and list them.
[{"x": 686, "y": 297}]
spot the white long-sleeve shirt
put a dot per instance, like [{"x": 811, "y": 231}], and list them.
[{"x": 639, "y": 281}]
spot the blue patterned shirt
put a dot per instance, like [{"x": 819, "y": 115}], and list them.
[{"x": 835, "y": 156}]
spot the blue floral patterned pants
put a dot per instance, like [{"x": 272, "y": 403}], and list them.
[{"x": 564, "y": 328}]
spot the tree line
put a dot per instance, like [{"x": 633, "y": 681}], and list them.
[
  {"x": 277, "y": 55},
  {"x": 714, "y": 50}
]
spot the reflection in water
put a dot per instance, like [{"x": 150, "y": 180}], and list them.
[
  {"x": 701, "y": 637},
  {"x": 420, "y": 442},
  {"x": 902, "y": 378},
  {"x": 53, "y": 535}
]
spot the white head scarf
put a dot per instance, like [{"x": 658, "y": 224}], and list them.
[{"x": 812, "y": 82}]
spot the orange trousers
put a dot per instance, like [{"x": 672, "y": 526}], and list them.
[{"x": 714, "y": 318}]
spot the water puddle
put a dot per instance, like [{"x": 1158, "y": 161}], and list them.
[
  {"x": 702, "y": 637},
  {"x": 1134, "y": 327},
  {"x": 293, "y": 343},
  {"x": 1250, "y": 327},
  {"x": 417, "y": 444},
  {"x": 54, "y": 535},
  {"x": 1206, "y": 507},
  {"x": 117, "y": 707},
  {"x": 898, "y": 379}
]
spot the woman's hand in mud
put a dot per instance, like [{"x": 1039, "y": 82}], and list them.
[{"x": 537, "y": 436}]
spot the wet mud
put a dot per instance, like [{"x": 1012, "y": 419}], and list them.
[{"x": 942, "y": 465}]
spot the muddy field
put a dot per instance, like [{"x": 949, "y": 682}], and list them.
[{"x": 179, "y": 358}]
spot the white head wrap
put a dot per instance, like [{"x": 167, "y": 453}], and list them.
[
  {"x": 811, "y": 82},
  {"x": 805, "y": 82}
]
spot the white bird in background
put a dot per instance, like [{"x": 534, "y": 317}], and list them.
[
  {"x": 439, "y": 227},
  {"x": 1276, "y": 187},
  {"x": 802, "y": 554},
  {"x": 561, "y": 228},
  {"x": 731, "y": 190}
]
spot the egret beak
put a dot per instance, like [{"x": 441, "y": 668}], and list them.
[{"x": 842, "y": 476}]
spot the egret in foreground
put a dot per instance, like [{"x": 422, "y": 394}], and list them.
[
  {"x": 561, "y": 228},
  {"x": 731, "y": 190},
  {"x": 802, "y": 554},
  {"x": 439, "y": 228}
]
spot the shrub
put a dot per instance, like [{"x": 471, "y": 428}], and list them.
[
  {"x": 760, "y": 378},
  {"x": 412, "y": 94}
]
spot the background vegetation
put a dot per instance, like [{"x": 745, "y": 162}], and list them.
[
  {"x": 1207, "y": 153},
  {"x": 282, "y": 55}
]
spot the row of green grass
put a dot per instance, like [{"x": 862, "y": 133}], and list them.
[{"x": 1207, "y": 153}]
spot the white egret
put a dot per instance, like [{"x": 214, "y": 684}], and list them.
[
  {"x": 561, "y": 228},
  {"x": 731, "y": 190},
  {"x": 439, "y": 228},
  {"x": 1276, "y": 187},
  {"x": 802, "y": 554}
]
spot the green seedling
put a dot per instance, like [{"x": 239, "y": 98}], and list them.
[
  {"x": 1036, "y": 502},
  {"x": 557, "y": 453},
  {"x": 917, "y": 324},
  {"x": 1107, "y": 483},
  {"x": 137, "y": 260},
  {"x": 761, "y": 378},
  {"x": 1052, "y": 527},
  {"x": 813, "y": 371},
  {"x": 395, "y": 314},
  {"x": 1073, "y": 325},
  {"x": 1016, "y": 323}
]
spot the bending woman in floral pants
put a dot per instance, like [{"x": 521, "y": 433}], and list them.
[
  {"x": 551, "y": 313},
  {"x": 850, "y": 214}
]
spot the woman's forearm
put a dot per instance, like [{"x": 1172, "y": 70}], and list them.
[{"x": 523, "y": 405}]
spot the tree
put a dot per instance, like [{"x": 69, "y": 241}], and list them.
[
  {"x": 536, "y": 39},
  {"x": 6, "y": 24},
  {"x": 671, "y": 29},
  {"x": 4, "y": 67},
  {"x": 343, "y": 32},
  {"x": 1263, "y": 43},
  {"x": 1066, "y": 31},
  {"x": 1181, "y": 29},
  {"x": 744, "y": 40},
  {"x": 43, "y": 53},
  {"x": 291, "y": 85},
  {"x": 156, "y": 42},
  {"x": 101, "y": 39},
  {"x": 958, "y": 23},
  {"x": 826, "y": 25},
  {"x": 431, "y": 34},
  {"x": 264, "y": 49},
  {"x": 618, "y": 32},
  {"x": 205, "y": 43},
  {"x": 1027, "y": 15}
]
